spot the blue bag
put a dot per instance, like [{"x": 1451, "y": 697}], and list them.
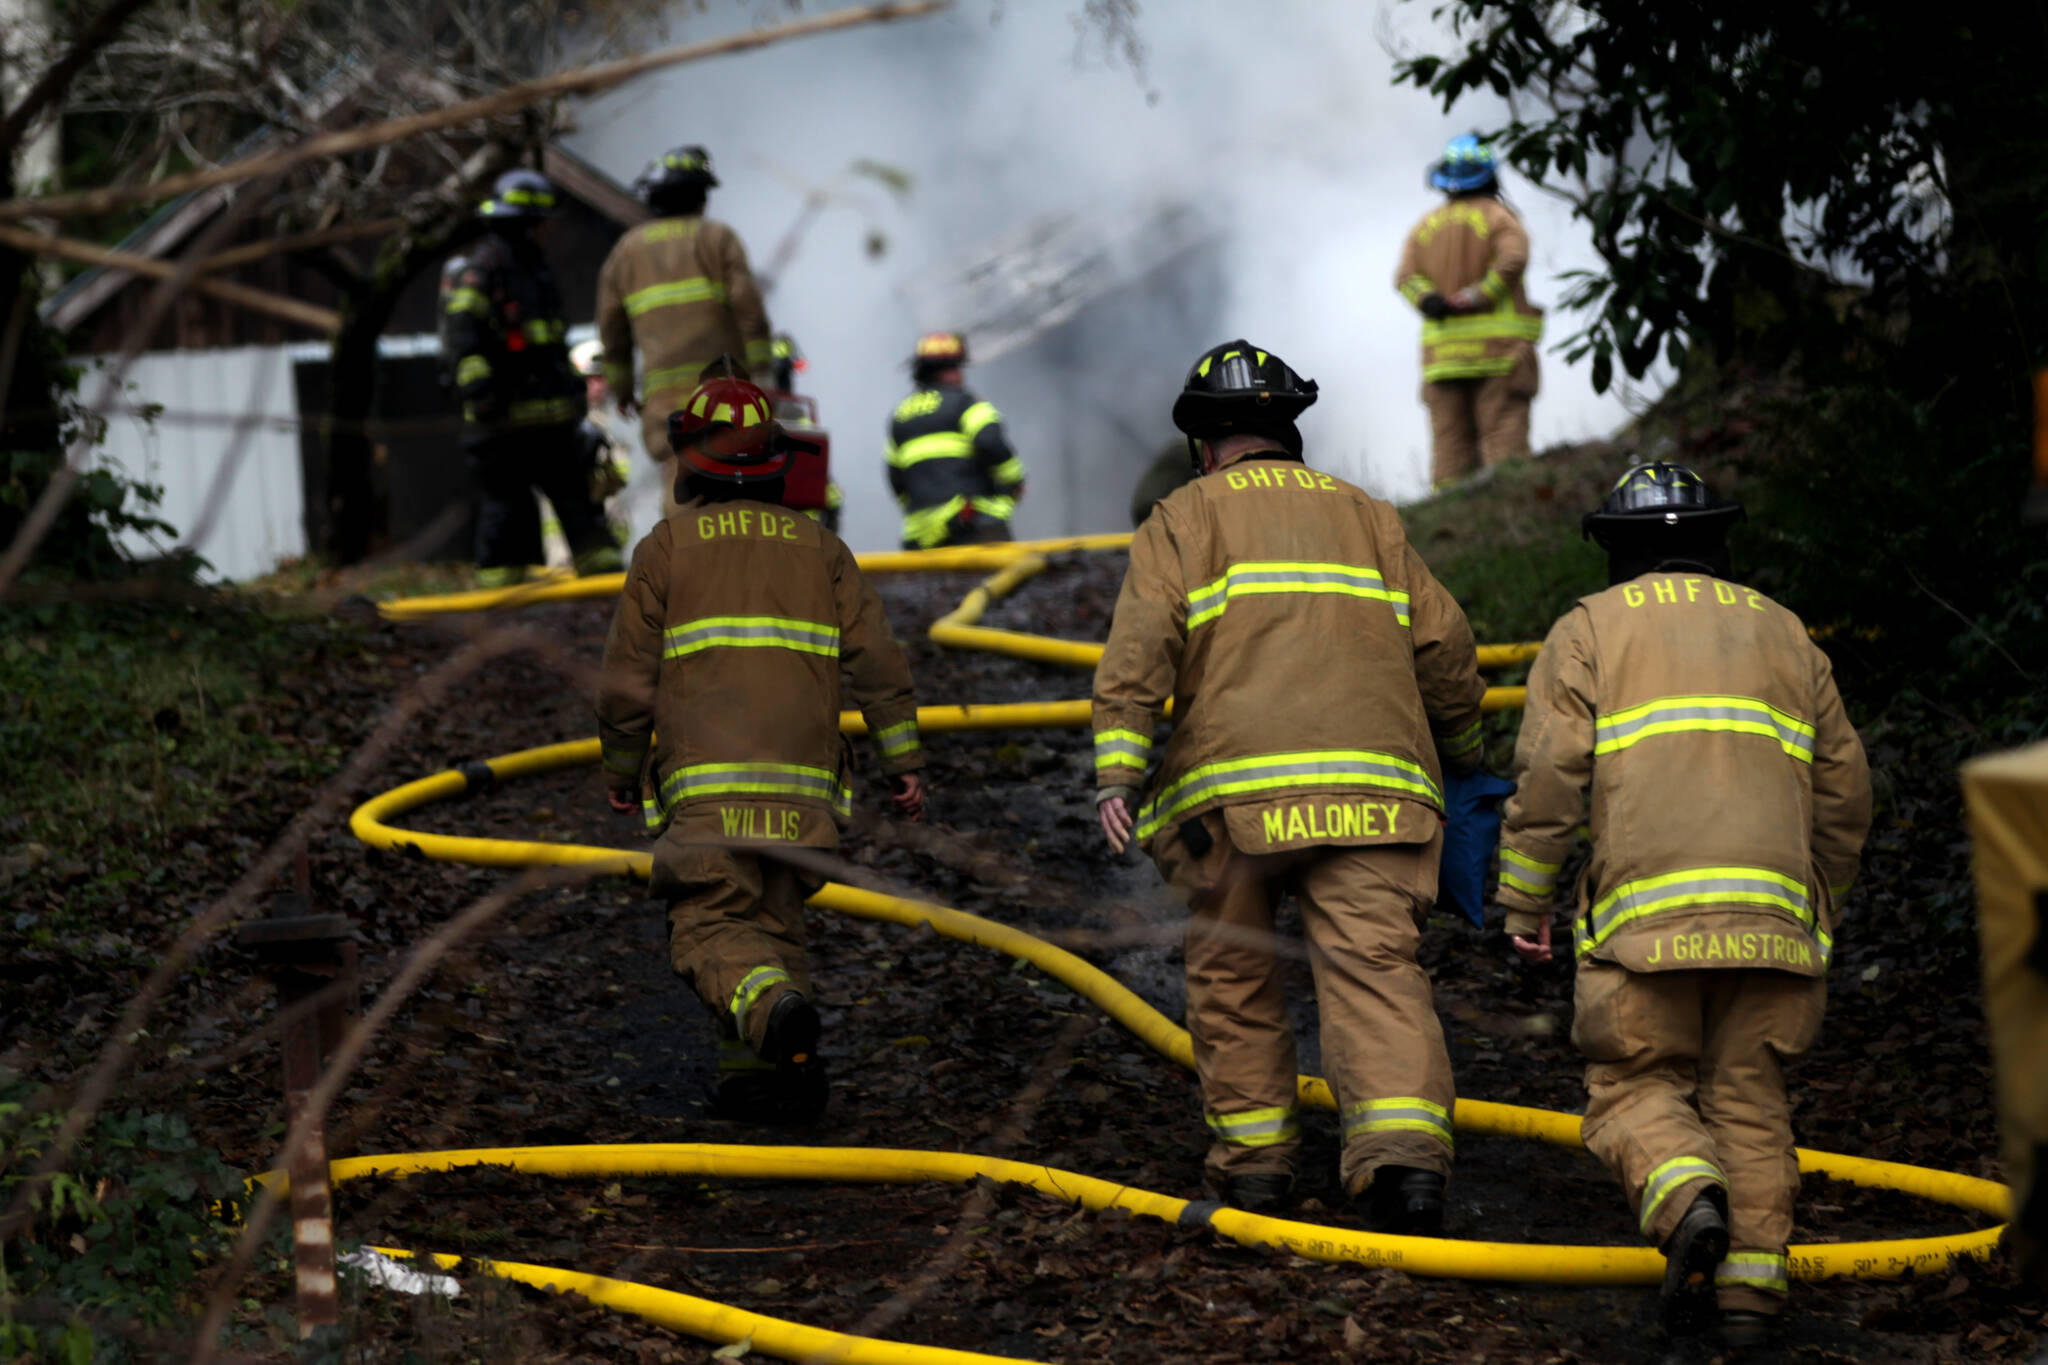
[{"x": 1471, "y": 829}]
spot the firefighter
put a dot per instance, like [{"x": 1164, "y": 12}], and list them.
[
  {"x": 949, "y": 463},
  {"x": 1462, "y": 268},
  {"x": 1321, "y": 681},
  {"x": 785, "y": 363},
  {"x": 1729, "y": 803},
  {"x": 680, "y": 291},
  {"x": 599, "y": 444},
  {"x": 718, "y": 718},
  {"x": 504, "y": 340}
]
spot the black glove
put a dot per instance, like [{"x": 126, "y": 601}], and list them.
[{"x": 1435, "y": 307}]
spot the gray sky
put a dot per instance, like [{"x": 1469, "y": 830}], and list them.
[{"x": 1276, "y": 120}]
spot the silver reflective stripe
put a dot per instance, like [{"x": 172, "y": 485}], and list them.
[
  {"x": 756, "y": 631},
  {"x": 1701, "y": 886},
  {"x": 1341, "y": 767},
  {"x": 1672, "y": 1175},
  {"x": 1406, "y": 1114},
  {"x": 899, "y": 738},
  {"x": 1209, "y": 601},
  {"x": 1763, "y": 1270},
  {"x": 1255, "y": 1127},
  {"x": 1741, "y": 715}
]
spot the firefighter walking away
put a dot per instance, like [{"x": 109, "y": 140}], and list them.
[
  {"x": 678, "y": 292},
  {"x": 504, "y": 343},
  {"x": 718, "y": 719},
  {"x": 950, "y": 465},
  {"x": 1729, "y": 800},
  {"x": 1321, "y": 681},
  {"x": 1462, "y": 268}
]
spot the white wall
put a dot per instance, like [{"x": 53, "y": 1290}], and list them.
[{"x": 208, "y": 398}]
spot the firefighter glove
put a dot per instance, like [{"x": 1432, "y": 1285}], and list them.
[{"x": 1434, "y": 306}]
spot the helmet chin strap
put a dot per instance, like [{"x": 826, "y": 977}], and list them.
[{"x": 1697, "y": 565}]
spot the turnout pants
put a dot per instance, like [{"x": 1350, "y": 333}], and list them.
[
  {"x": 1686, "y": 1089},
  {"x": 1479, "y": 422},
  {"x": 507, "y": 466},
  {"x": 1383, "y": 1049},
  {"x": 736, "y": 930}
]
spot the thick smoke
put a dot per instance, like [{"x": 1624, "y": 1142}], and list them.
[{"x": 1266, "y": 139}]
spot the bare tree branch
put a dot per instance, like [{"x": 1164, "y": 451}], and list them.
[
  {"x": 241, "y": 295},
  {"x": 57, "y": 78}
]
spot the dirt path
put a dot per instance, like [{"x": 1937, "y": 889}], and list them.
[{"x": 563, "y": 1024}]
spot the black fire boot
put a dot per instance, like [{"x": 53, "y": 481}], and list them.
[
  {"x": 1260, "y": 1192},
  {"x": 1405, "y": 1201},
  {"x": 1691, "y": 1255},
  {"x": 792, "y": 1035},
  {"x": 1747, "y": 1327}
]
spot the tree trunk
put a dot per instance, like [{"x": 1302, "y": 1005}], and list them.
[{"x": 354, "y": 516}]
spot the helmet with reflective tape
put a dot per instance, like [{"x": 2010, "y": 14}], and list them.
[
  {"x": 1238, "y": 388},
  {"x": 521, "y": 194},
  {"x": 938, "y": 351},
  {"x": 1662, "y": 513},
  {"x": 726, "y": 430},
  {"x": 1467, "y": 165},
  {"x": 683, "y": 168},
  {"x": 587, "y": 358}
]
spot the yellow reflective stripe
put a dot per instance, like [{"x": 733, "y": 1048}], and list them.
[
  {"x": 751, "y": 779},
  {"x": 542, "y": 331},
  {"x": 760, "y": 353},
  {"x": 1527, "y": 875},
  {"x": 1461, "y": 743},
  {"x": 696, "y": 289},
  {"x": 1840, "y": 889},
  {"x": 1252, "y": 578},
  {"x": 1010, "y": 471},
  {"x": 1415, "y": 287},
  {"x": 626, "y": 761},
  {"x": 1659, "y": 1185},
  {"x": 1255, "y": 1127},
  {"x": 542, "y": 411},
  {"x": 897, "y": 739},
  {"x": 1763, "y": 1270},
  {"x": 749, "y": 990},
  {"x": 618, "y": 377},
  {"x": 1696, "y": 886},
  {"x": 926, "y": 526},
  {"x": 1315, "y": 768},
  {"x": 977, "y": 417},
  {"x": 471, "y": 368},
  {"x": 1494, "y": 287},
  {"x": 1482, "y": 368},
  {"x": 1501, "y": 322},
  {"x": 1717, "y": 714},
  {"x": 1826, "y": 941},
  {"x": 1122, "y": 749},
  {"x": 940, "y": 445},
  {"x": 538, "y": 198},
  {"x": 998, "y": 506},
  {"x": 744, "y": 632},
  {"x": 466, "y": 300},
  {"x": 1400, "y": 1114}
]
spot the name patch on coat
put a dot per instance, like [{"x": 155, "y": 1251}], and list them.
[
  {"x": 751, "y": 822},
  {"x": 1306, "y": 821},
  {"x": 744, "y": 521},
  {"x": 1729, "y": 948}
]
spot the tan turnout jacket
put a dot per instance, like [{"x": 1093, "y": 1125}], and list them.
[
  {"x": 1730, "y": 796},
  {"x": 1314, "y": 664},
  {"x": 680, "y": 290},
  {"x": 721, "y": 676},
  {"x": 1475, "y": 240}
]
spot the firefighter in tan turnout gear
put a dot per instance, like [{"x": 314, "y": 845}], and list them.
[
  {"x": 1317, "y": 672},
  {"x": 678, "y": 290},
  {"x": 718, "y": 717},
  {"x": 950, "y": 465},
  {"x": 1729, "y": 803},
  {"x": 1462, "y": 268}
]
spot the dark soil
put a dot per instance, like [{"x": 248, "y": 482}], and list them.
[{"x": 561, "y": 1023}]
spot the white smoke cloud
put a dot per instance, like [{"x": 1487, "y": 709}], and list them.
[{"x": 1277, "y": 121}]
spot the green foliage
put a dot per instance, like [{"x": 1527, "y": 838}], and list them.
[
  {"x": 116, "y": 1240},
  {"x": 1727, "y": 157}
]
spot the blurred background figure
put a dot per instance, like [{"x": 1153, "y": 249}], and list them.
[
  {"x": 1462, "y": 268},
  {"x": 603, "y": 441},
  {"x": 504, "y": 344},
  {"x": 680, "y": 292},
  {"x": 950, "y": 465}
]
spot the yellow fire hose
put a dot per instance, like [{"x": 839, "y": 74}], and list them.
[{"x": 717, "y": 1322}]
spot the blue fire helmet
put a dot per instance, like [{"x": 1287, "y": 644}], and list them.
[
  {"x": 521, "y": 194},
  {"x": 1467, "y": 165}
]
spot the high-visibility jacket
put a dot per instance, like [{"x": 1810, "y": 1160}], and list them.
[
  {"x": 947, "y": 453},
  {"x": 680, "y": 290},
  {"x": 504, "y": 339},
  {"x": 1467, "y": 241},
  {"x": 1730, "y": 796},
  {"x": 721, "y": 675},
  {"x": 1317, "y": 669}
]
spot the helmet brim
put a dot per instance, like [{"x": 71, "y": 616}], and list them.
[{"x": 1607, "y": 528}]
